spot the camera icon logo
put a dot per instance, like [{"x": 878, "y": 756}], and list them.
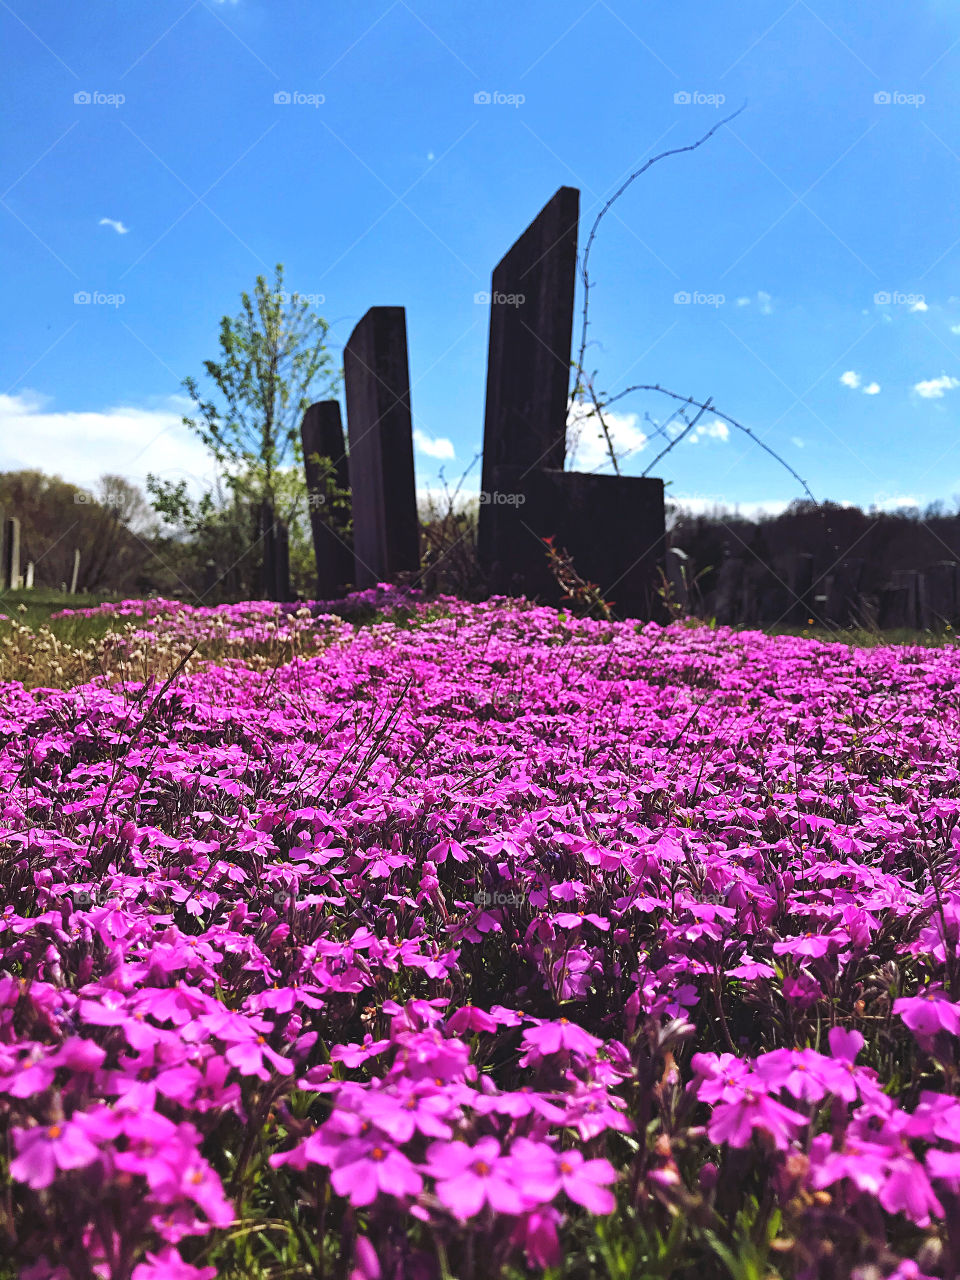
[
  {"x": 682, "y": 98},
  {"x": 82, "y": 498},
  {"x": 882, "y": 98},
  {"x": 882, "y": 299},
  {"x": 82, "y": 298},
  {"x": 282, "y": 99},
  {"x": 82, "y": 98},
  {"x": 482, "y": 298},
  {"x": 681, "y": 297},
  {"x": 482, "y": 99}
]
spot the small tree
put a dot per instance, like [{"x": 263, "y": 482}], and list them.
[{"x": 272, "y": 356}]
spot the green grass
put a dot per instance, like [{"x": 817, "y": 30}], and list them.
[
  {"x": 39, "y": 604},
  {"x": 862, "y": 638}
]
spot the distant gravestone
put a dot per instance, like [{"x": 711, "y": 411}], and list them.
[
  {"x": 321, "y": 433},
  {"x": 11, "y": 553},
  {"x": 678, "y": 564},
  {"x": 911, "y": 584},
  {"x": 28, "y": 576},
  {"x": 801, "y": 586},
  {"x": 941, "y": 595},
  {"x": 729, "y": 590},
  {"x": 386, "y": 531},
  {"x": 843, "y": 593},
  {"x": 528, "y": 360},
  {"x": 282, "y": 561},
  {"x": 268, "y": 551}
]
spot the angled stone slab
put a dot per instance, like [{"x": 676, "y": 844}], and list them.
[
  {"x": 386, "y": 531},
  {"x": 528, "y": 359},
  {"x": 321, "y": 433}
]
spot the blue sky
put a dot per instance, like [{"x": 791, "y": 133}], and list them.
[{"x": 838, "y": 185}]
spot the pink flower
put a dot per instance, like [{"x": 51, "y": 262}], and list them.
[
  {"x": 536, "y": 1234},
  {"x": 929, "y": 1012},
  {"x": 547, "y": 1172},
  {"x": 364, "y": 1169},
  {"x": 735, "y": 1122},
  {"x": 248, "y": 1056},
  {"x": 469, "y": 1177},
  {"x": 45, "y": 1149},
  {"x": 561, "y": 1036},
  {"x": 168, "y": 1265}
]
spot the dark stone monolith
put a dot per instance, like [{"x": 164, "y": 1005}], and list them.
[
  {"x": 322, "y": 435},
  {"x": 528, "y": 360},
  {"x": 386, "y": 532}
]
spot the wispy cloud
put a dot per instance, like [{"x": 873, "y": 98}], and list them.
[
  {"x": 763, "y": 300},
  {"x": 872, "y": 389},
  {"x": 118, "y": 226}
]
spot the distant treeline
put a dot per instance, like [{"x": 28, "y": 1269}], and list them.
[{"x": 840, "y": 565}]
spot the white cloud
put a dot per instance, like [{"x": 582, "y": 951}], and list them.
[
  {"x": 955, "y": 328},
  {"x": 80, "y": 445},
  {"x": 118, "y": 227},
  {"x": 872, "y": 389},
  {"x": 713, "y": 504},
  {"x": 764, "y": 302},
  {"x": 801, "y": 444},
  {"x": 850, "y": 379},
  {"x": 919, "y": 305},
  {"x": 587, "y": 444},
  {"x": 934, "y": 388},
  {"x": 895, "y": 501},
  {"x": 439, "y": 448},
  {"x": 715, "y": 430}
]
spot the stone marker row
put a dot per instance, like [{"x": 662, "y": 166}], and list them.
[{"x": 611, "y": 526}]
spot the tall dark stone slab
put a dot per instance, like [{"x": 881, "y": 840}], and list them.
[
  {"x": 528, "y": 360},
  {"x": 611, "y": 526},
  {"x": 322, "y": 435},
  {"x": 386, "y": 532}
]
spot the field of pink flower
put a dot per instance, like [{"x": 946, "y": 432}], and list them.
[{"x": 484, "y": 943}]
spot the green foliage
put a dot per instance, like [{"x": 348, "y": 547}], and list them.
[{"x": 272, "y": 355}]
